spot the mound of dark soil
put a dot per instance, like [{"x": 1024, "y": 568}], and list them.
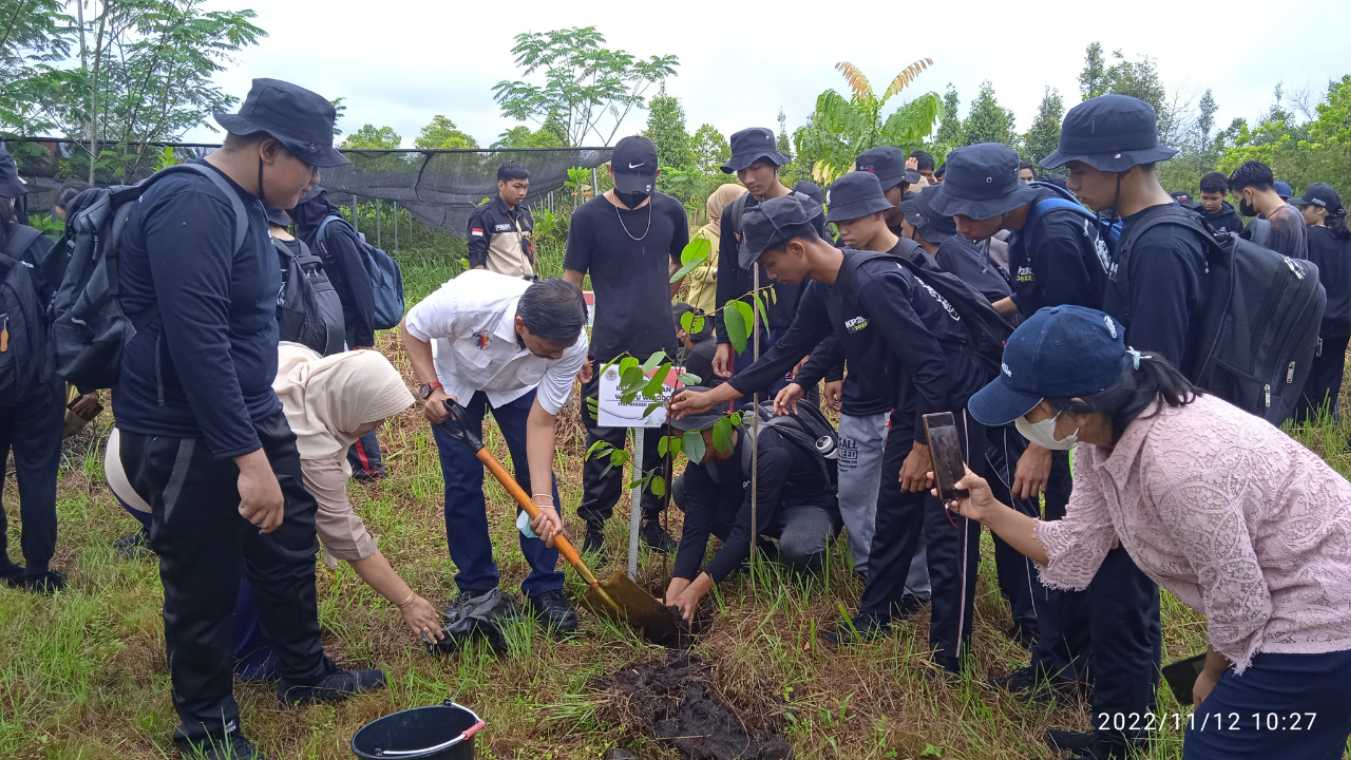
[{"x": 673, "y": 699}]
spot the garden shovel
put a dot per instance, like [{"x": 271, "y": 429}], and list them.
[{"x": 618, "y": 598}]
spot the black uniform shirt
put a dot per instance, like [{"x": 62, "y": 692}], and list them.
[{"x": 1066, "y": 266}]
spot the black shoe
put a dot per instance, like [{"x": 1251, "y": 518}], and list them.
[
  {"x": 1035, "y": 684},
  {"x": 554, "y": 610},
  {"x": 1106, "y": 746},
  {"x": 1024, "y": 636},
  {"x": 655, "y": 537},
  {"x": 133, "y": 545},
  {"x": 910, "y": 605},
  {"x": 9, "y": 570},
  {"x": 42, "y": 582},
  {"x": 861, "y": 628},
  {"x": 334, "y": 685},
  {"x": 233, "y": 746},
  {"x": 594, "y": 543},
  {"x": 1064, "y": 740}
]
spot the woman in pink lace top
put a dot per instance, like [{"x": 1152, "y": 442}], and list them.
[{"x": 1225, "y": 511}]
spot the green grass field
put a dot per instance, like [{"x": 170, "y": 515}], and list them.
[{"x": 82, "y": 674}]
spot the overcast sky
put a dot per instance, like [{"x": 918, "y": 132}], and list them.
[{"x": 399, "y": 62}]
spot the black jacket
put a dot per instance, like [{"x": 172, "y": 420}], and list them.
[
  {"x": 494, "y": 219},
  {"x": 344, "y": 263},
  {"x": 1332, "y": 255},
  {"x": 893, "y": 330},
  {"x": 1224, "y": 220},
  {"x": 717, "y": 501},
  {"x": 205, "y": 352}
]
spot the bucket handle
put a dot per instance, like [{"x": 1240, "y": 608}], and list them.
[{"x": 467, "y": 734}]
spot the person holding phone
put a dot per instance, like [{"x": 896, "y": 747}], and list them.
[{"x": 1224, "y": 510}]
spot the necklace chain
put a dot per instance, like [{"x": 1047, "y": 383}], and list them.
[{"x": 625, "y": 227}]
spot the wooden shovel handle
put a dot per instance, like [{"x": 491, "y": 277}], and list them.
[{"x": 561, "y": 542}]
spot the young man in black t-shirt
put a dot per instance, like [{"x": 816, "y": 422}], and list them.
[
  {"x": 1214, "y": 209},
  {"x": 1110, "y": 145},
  {"x": 629, "y": 240}
]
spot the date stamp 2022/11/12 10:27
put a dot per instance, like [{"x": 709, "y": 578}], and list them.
[{"x": 1150, "y": 722}]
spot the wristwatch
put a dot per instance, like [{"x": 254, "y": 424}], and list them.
[{"x": 426, "y": 390}]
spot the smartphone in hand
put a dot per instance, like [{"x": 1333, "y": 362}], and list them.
[{"x": 946, "y": 447}]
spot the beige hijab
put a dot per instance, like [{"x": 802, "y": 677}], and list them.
[
  {"x": 328, "y": 397},
  {"x": 721, "y": 198}
]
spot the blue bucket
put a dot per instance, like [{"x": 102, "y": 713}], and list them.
[{"x": 441, "y": 732}]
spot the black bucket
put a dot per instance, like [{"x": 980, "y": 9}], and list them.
[{"x": 442, "y": 732}]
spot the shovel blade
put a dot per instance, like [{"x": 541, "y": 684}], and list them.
[{"x": 645, "y": 612}]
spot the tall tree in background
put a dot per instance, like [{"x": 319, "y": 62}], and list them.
[
  {"x": 549, "y": 135},
  {"x": 783, "y": 142},
  {"x": 950, "y": 130},
  {"x": 35, "y": 36},
  {"x": 1319, "y": 151},
  {"x": 1205, "y": 122},
  {"x": 1093, "y": 77},
  {"x": 581, "y": 83},
  {"x": 840, "y": 128},
  {"x": 1043, "y": 137},
  {"x": 1138, "y": 78},
  {"x": 711, "y": 149},
  {"x": 666, "y": 130},
  {"x": 442, "y": 133},
  {"x": 988, "y": 121}
]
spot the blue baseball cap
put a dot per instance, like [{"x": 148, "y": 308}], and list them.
[
  {"x": 1060, "y": 352},
  {"x": 1283, "y": 189}
]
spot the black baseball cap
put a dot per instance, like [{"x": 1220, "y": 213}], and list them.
[
  {"x": 888, "y": 164},
  {"x": 1319, "y": 194},
  {"x": 981, "y": 182},
  {"x": 299, "y": 119},
  {"x": 1059, "y": 352},
  {"x": 11, "y": 184},
  {"x": 1110, "y": 133},
  {"x": 773, "y": 223},
  {"x": 854, "y": 196},
  {"x": 634, "y": 162},
  {"x": 919, "y": 212},
  {"x": 751, "y": 145}
]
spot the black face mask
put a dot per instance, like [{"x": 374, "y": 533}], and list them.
[
  {"x": 634, "y": 199},
  {"x": 1246, "y": 208}
]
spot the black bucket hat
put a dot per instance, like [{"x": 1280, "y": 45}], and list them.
[
  {"x": 11, "y": 184},
  {"x": 888, "y": 164},
  {"x": 1110, "y": 133},
  {"x": 299, "y": 119},
  {"x": 919, "y": 212},
  {"x": 854, "y": 196},
  {"x": 981, "y": 182},
  {"x": 751, "y": 145},
  {"x": 811, "y": 190},
  {"x": 773, "y": 223}
]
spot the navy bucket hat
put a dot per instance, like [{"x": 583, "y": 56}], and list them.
[
  {"x": 854, "y": 196},
  {"x": 981, "y": 182},
  {"x": 751, "y": 145},
  {"x": 1110, "y": 133},
  {"x": 299, "y": 119}
]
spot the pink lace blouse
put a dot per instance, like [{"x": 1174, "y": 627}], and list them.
[{"x": 1229, "y": 514}]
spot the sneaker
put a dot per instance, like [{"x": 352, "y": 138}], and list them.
[
  {"x": 133, "y": 545},
  {"x": 334, "y": 685},
  {"x": 861, "y": 628},
  {"x": 1035, "y": 684},
  {"x": 41, "y": 582},
  {"x": 554, "y": 610},
  {"x": 655, "y": 537},
  {"x": 234, "y": 746}
]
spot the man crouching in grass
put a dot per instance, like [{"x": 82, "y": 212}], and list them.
[{"x": 515, "y": 346}]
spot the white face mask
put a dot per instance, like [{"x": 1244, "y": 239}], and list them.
[{"x": 1043, "y": 433}]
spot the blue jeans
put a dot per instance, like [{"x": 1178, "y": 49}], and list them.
[
  {"x": 365, "y": 458},
  {"x": 471, "y": 548},
  {"x": 1291, "y": 706}
]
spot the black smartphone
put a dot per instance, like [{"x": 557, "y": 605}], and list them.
[
  {"x": 946, "y": 447},
  {"x": 1181, "y": 677}
]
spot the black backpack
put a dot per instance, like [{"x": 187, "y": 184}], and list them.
[
  {"x": 1258, "y": 331},
  {"x": 383, "y": 271},
  {"x": 308, "y": 308},
  {"x": 23, "y": 331},
  {"x": 89, "y": 328},
  {"x": 803, "y": 430},
  {"x": 986, "y": 331}
]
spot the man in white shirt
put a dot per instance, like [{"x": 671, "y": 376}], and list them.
[{"x": 516, "y": 346}]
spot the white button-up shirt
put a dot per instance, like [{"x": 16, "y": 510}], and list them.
[{"x": 470, "y": 322}]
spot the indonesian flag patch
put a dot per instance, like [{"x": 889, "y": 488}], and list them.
[{"x": 477, "y": 231}]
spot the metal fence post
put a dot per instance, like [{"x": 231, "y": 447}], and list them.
[
  {"x": 379, "y": 217},
  {"x": 356, "y": 223}
]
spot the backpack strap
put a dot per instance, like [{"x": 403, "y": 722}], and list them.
[
  {"x": 237, "y": 205},
  {"x": 21, "y": 238}
]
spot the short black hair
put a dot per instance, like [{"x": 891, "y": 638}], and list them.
[
  {"x": 805, "y": 231},
  {"x": 553, "y": 310},
  {"x": 1252, "y": 174},
  {"x": 940, "y": 171},
  {"x": 1215, "y": 182},
  {"x": 680, "y": 309},
  {"x": 1026, "y": 165},
  {"x": 923, "y": 161},
  {"x": 512, "y": 172},
  {"x": 68, "y": 192}
]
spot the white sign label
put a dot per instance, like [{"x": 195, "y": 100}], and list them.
[{"x": 615, "y": 413}]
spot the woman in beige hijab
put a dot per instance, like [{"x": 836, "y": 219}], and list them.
[
  {"x": 703, "y": 281},
  {"x": 330, "y": 401}
]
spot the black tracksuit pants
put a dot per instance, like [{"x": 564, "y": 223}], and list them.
[
  {"x": 1062, "y": 616},
  {"x": 1016, "y": 573},
  {"x": 31, "y": 428},
  {"x": 600, "y": 489},
  {"x": 1324, "y": 385},
  {"x": 203, "y": 545}
]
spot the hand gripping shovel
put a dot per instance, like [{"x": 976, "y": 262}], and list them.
[{"x": 618, "y": 598}]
